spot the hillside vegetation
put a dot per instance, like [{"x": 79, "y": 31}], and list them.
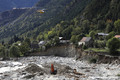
[
  {"x": 31, "y": 23},
  {"x": 97, "y": 16},
  {"x": 9, "y": 16}
]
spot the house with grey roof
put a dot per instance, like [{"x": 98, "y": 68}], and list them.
[
  {"x": 63, "y": 41},
  {"x": 101, "y": 36},
  {"x": 41, "y": 43}
]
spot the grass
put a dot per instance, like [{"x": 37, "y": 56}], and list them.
[
  {"x": 118, "y": 50},
  {"x": 96, "y": 50}
]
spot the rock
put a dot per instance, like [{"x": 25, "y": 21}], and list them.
[
  {"x": 29, "y": 76},
  {"x": 41, "y": 73},
  {"x": 24, "y": 73},
  {"x": 64, "y": 69},
  {"x": 77, "y": 73},
  {"x": 34, "y": 68},
  {"x": 5, "y": 58},
  {"x": 87, "y": 70}
]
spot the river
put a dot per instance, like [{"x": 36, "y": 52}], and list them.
[{"x": 38, "y": 68}]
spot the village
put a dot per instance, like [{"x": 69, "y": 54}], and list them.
[{"x": 98, "y": 42}]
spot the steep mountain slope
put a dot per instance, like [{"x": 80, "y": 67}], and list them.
[
  {"x": 9, "y": 4},
  {"x": 31, "y": 23},
  {"x": 96, "y": 17},
  {"x": 107, "y": 9},
  {"x": 9, "y": 16},
  {"x": 88, "y": 15}
]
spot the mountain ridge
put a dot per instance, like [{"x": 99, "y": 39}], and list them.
[{"x": 16, "y": 4}]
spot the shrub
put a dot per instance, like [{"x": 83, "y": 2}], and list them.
[
  {"x": 14, "y": 51},
  {"x": 93, "y": 60},
  {"x": 84, "y": 47}
]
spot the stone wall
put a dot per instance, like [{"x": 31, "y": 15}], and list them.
[{"x": 62, "y": 51}]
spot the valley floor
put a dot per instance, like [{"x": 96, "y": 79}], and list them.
[{"x": 38, "y": 68}]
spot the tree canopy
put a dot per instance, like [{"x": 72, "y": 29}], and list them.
[{"x": 113, "y": 44}]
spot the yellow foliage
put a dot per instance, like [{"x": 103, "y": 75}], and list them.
[{"x": 50, "y": 32}]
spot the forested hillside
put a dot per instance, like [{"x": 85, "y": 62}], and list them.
[
  {"x": 31, "y": 23},
  {"x": 97, "y": 16},
  {"x": 82, "y": 15},
  {"x": 107, "y": 9},
  {"x": 9, "y": 16}
]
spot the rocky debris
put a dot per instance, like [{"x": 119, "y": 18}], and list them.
[
  {"x": 64, "y": 69},
  {"x": 108, "y": 59},
  {"x": 34, "y": 68},
  {"x": 61, "y": 69},
  {"x": 5, "y": 59},
  {"x": 77, "y": 73},
  {"x": 29, "y": 72},
  {"x": 29, "y": 76},
  {"x": 39, "y": 69},
  {"x": 87, "y": 70}
]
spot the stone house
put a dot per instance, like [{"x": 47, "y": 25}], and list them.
[{"x": 88, "y": 41}]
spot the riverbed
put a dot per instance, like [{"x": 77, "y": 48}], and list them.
[{"x": 38, "y": 68}]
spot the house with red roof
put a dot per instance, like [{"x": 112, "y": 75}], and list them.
[
  {"x": 85, "y": 41},
  {"x": 117, "y": 36}
]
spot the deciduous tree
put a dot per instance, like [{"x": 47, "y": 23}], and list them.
[
  {"x": 117, "y": 25},
  {"x": 14, "y": 51},
  {"x": 113, "y": 44}
]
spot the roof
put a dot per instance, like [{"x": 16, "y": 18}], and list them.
[
  {"x": 60, "y": 38},
  {"x": 117, "y": 36},
  {"x": 41, "y": 43},
  {"x": 102, "y": 34},
  {"x": 85, "y": 39}
]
